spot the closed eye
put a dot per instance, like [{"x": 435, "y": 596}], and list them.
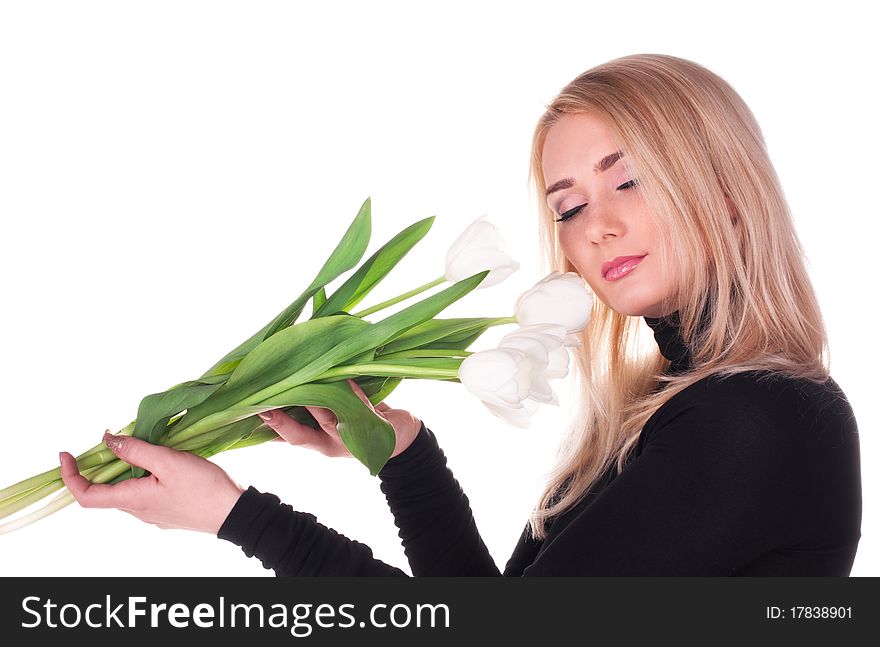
[{"x": 576, "y": 210}]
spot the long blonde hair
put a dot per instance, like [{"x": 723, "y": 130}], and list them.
[{"x": 705, "y": 174}]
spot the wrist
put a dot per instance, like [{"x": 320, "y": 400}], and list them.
[
  {"x": 411, "y": 452},
  {"x": 406, "y": 439},
  {"x": 224, "y": 506}
]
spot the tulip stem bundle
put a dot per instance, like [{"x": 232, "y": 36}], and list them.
[{"x": 290, "y": 365}]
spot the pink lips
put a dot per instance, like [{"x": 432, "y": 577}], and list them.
[{"x": 620, "y": 267}]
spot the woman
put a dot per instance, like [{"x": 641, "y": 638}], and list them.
[{"x": 726, "y": 449}]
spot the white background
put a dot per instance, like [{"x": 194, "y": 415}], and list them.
[{"x": 172, "y": 175}]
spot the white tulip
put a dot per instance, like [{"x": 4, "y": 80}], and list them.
[
  {"x": 501, "y": 379},
  {"x": 558, "y": 298},
  {"x": 543, "y": 343},
  {"x": 519, "y": 416},
  {"x": 480, "y": 247},
  {"x": 500, "y": 376}
]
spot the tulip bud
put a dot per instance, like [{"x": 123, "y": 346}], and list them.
[
  {"x": 499, "y": 376},
  {"x": 479, "y": 248},
  {"x": 558, "y": 298},
  {"x": 543, "y": 344}
]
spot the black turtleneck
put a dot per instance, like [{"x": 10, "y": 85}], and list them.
[
  {"x": 740, "y": 476},
  {"x": 670, "y": 343}
]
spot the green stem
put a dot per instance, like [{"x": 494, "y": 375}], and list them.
[
  {"x": 379, "y": 369},
  {"x": 426, "y": 353},
  {"x": 28, "y": 498},
  {"x": 402, "y": 297},
  {"x": 62, "y": 500},
  {"x": 99, "y": 465},
  {"x": 98, "y": 455},
  {"x": 85, "y": 460},
  {"x": 102, "y": 475},
  {"x": 22, "y": 500}
]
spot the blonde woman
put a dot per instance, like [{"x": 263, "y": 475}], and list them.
[{"x": 722, "y": 448}]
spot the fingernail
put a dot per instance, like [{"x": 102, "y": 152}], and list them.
[
  {"x": 114, "y": 443},
  {"x": 266, "y": 415}
]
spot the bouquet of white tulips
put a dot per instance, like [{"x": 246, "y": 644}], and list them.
[{"x": 289, "y": 364}]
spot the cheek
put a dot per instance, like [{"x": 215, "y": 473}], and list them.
[
  {"x": 573, "y": 251},
  {"x": 668, "y": 281},
  {"x": 565, "y": 244},
  {"x": 578, "y": 257}
]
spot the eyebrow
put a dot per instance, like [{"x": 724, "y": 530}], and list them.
[{"x": 600, "y": 167}]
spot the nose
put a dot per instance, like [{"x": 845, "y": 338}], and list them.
[{"x": 603, "y": 223}]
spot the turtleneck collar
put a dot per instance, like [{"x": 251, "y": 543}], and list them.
[{"x": 667, "y": 334}]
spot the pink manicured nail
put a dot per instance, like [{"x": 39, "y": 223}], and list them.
[
  {"x": 266, "y": 415},
  {"x": 114, "y": 443}
]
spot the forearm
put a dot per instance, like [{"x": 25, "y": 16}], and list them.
[
  {"x": 437, "y": 527},
  {"x": 293, "y": 543}
]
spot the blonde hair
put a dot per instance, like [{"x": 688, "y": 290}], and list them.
[{"x": 747, "y": 303}]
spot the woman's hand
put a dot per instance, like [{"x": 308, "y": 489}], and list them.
[
  {"x": 326, "y": 440},
  {"x": 182, "y": 491}
]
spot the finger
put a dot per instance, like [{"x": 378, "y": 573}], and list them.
[
  {"x": 73, "y": 480},
  {"x": 325, "y": 417},
  {"x": 96, "y": 495},
  {"x": 295, "y": 432},
  {"x": 382, "y": 407},
  {"x": 360, "y": 393},
  {"x": 140, "y": 453}
]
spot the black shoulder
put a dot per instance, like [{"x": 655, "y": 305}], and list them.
[{"x": 753, "y": 403}]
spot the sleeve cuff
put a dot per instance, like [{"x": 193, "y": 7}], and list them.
[
  {"x": 419, "y": 454},
  {"x": 246, "y": 514}
]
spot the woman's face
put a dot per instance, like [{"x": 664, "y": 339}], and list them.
[{"x": 605, "y": 218}]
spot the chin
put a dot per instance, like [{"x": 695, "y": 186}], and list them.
[{"x": 637, "y": 310}]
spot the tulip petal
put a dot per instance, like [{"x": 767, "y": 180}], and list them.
[
  {"x": 541, "y": 391},
  {"x": 501, "y": 376},
  {"x": 480, "y": 233},
  {"x": 557, "y": 365},
  {"x": 558, "y": 298},
  {"x": 518, "y": 416},
  {"x": 479, "y": 247},
  {"x": 476, "y": 259}
]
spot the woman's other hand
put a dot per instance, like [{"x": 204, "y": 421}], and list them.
[
  {"x": 183, "y": 490},
  {"x": 326, "y": 440}
]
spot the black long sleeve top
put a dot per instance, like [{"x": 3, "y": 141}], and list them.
[{"x": 740, "y": 476}]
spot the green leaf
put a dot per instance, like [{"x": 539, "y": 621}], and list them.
[
  {"x": 256, "y": 438},
  {"x": 156, "y": 410},
  {"x": 375, "y": 269},
  {"x": 290, "y": 352},
  {"x": 348, "y": 252},
  {"x": 369, "y": 437},
  {"x": 456, "y": 333},
  {"x": 318, "y": 300},
  {"x": 378, "y": 388},
  {"x": 301, "y": 353}
]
